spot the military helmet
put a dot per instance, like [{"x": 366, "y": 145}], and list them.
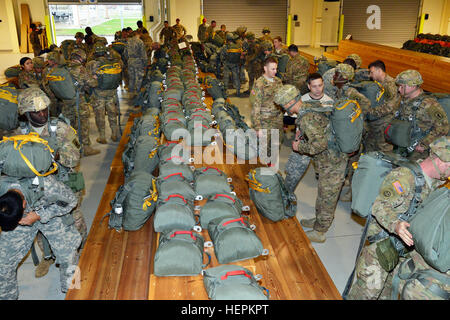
[
  {"x": 80, "y": 53},
  {"x": 38, "y": 62},
  {"x": 241, "y": 30},
  {"x": 32, "y": 100},
  {"x": 355, "y": 58},
  {"x": 286, "y": 93},
  {"x": 441, "y": 148},
  {"x": 100, "y": 49},
  {"x": 231, "y": 36},
  {"x": 250, "y": 36},
  {"x": 267, "y": 46},
  {"x": 79, "y": 35},
  {"x": 409, "y": 77},
  {"x": 265, "y": 30},
  {"x": 346, "y": 71},
  {"x": 54, "y": 55}
]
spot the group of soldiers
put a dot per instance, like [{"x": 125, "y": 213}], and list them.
[{"x": 96, "y": 70}]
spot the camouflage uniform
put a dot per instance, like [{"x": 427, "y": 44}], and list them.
[
  {"x": 329, "y": 88},
  {"x": 375, "y": 140},
  {"x": 265, "y": 113},
  {"x": 266, "y": 35},
  {"x": 36, "y": 42},
  {"x": 136, "y": 57},
  {"x": 254, "y": 60},
  {"x": 29, "y": 79},
  {"x": 166, "y": 34},
  {"x": 64, "y": 239},
  {"x": 180, "y": 30},
  {"x": 230, "y": 57},
  {"x": 297, "y": 71},
  {"x": 201, "y": 33},
  {"x": 429, "y": 115}
]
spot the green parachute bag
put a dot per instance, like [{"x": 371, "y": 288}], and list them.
[
  {"x": 134, "y": 202},
  {"x": 362, "y": 74},
  {"x": 168, "y": 169},
  {"x": 200, "y": 133},
  {"x": 347, "y": 125},
  {"x": 175, "y": 184},
  {"x": 210, "y": 181},
  {"x": 173, "y": 152},
  {"x": 242, "y": 145},
  {"x": 430, "y": 227},
  {"x": 13, "y": 71},
  {"x": 65, "y": 47},
  {"x": 174, "y": 129},
  {"x": 118, "y": 46},
  {"x": 146, "y": 154},
  {"x": 26, "y": 156},
  {"x": 109, "y": 74},
  {"x": 217, "y": 40},
  {"x": 180, "y": 253},
  {"x": 372, "y": 90},
  {"x": 233, "y": 55},
  {"x": 283, "y": 60},
  {"x": 324, "y": 66},
  {"x": 234, "y": 240},
  {"x": 220, "y": 206},
  {"x": 269, "y": 194},
  {"x": 215, "y": 88},
  {"x": 399, "y": 133},
  {"x": 61, "y": 83},
  {"x": 9, "y": 116},
  {"x": 232, "y": 282},
  {"x": 174, "y": 212}
]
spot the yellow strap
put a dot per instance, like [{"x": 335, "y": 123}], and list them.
[
  {"x": 6, "y": 95},
  {"x": 153, "y": 197},
  {"x": 381, "y": 92},
  {"x": 152, "y": 154},
  {"x": 357, "y": 111},
  {"x": 55, "y": 78},
  {"x": 255, "y": 184},
  {"x": 114, "y": 68},
  {"x": 234, "y": 51},
  {"x": 355, "y": 165}
]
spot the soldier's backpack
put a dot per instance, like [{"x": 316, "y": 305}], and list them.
[
  {"x": 210, "y": 181},
  {"x": 180, "y": 253},
  {"x": 371, "y": 169},
  {"x": 109, "y": 74},
  {"x": 174, "y": 212},
  {"x": 169, "y": 168},
  {"x": 234, "y": 239},
  {"x": 430, "y": 227},
  {"x": 361, "y": 74},
  {"x": 65, "y": 47},
  {"x": 9, "y": 116},
  {"x": 221, "y": 205},
  {"x": 13, "y": 71},
  {"x": 270, "y": 195},
  {"x": 175, "y": 184},
  {"x": 233, "y": 55},
  {"x": 283, "y": 60},
  {"x": 61, "y": 83},
  {"x": 26, "y": 156},
  {"x": 217, "y": 40},
  {"x": 324, "y": 66},
  {"x": 134, "y": 202},
  {"x": 118, "y": 46},
  {"x": 142, "y": 156},
  {"x": 232, "y": 282},
  {"x": 372, "y": 90}
]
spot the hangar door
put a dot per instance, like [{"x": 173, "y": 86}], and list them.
[
  {"x": 381, "y": 21},
  {"x": 254, "y": 14}
]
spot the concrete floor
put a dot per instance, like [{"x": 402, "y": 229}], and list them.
[{"x": 337, "y": 253}]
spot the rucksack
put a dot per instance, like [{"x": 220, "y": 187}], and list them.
[
  {"x": 232, "y": 282},
  {"x": 65, "y": 44},
  {"x": 109, "y": 74},
  {"x": 430, "y": 227},
  {"x": 210, "y": 181},
  {"x": 134, "y": 202},
  {"x": 142, "y": 156},
  {"x": 61, "y": 83},
  {"x": 118, "y": 46},
  {"x": 269, "y": 194},
  {"x": 26, "y": 156},
  {"x": 174, "y": 212},
  {"x": 9, "y": 116},
  {"x": 220, "y": 205},
  {"x": 233, "y": 55},
  {"x": 371, "y": 169},
  {"x": 13, "y": 71},
  {"x": 326, "y": 65},
  {"x": 179, "y": 253},
  {"x": 373, "y": 91},
  {"x": 283, "y": 60}
]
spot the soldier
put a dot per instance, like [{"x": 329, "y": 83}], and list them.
[
  {"x": 389, "y": 230},
  {"x": 79, "y": 44},
  {"x": 297, "y": 69},
  {"x": 331, "y": 163},
  {"x": 21, "y": 219},
  {"x": 230, "y": 56},
  {"x": 167, "y": 33},
  {"x": 425, "y": 114},
  {"x": 141, "y": 27},
  {"x": 201, "y": 32},
  {"x": 104, "y": 99},
  {"x": 266, "y": 35},
  {"x": 330, "y": 88},
  {"x": 223, "y": 32},
  {"x": 253, "y": 60},
  {"x": 179, "y": 29},
  {"x": 279, "y": 47},
  {"x": 28, "y": 77},
  {"x": 265, "y": 114},
  {"x": 84, "y": 81},
  {"x": 62, "y": 138},
  {"x": 210, "y": 32},
  {"x": 136, "y": 56},
  {"x": 148, "y": 41},
  {"x": 34, "y": 39},
  {"x": 383, "y": 113},
  {"x": 298, "y": 163},
  {"x": 38, "y": 66}
]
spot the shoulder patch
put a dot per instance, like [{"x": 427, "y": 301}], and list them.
[{"x": 398, "y": 187}]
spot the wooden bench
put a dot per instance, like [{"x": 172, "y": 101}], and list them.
[{"x": 434, "y": 69}]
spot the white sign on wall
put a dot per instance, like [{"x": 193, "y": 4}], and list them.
[{"x": 374, "y": 20}]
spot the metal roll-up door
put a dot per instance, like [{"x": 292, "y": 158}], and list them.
[
  {"x": 96, "y": 2},
  {"x": 381, "y": 21},
  {"x": 254, "y": 14}
]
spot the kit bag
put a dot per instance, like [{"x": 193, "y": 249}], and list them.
[
  {"x": 234, "y": 239},
  {"x": 169, "y": 168},
  {"x": 9, "y": 116},
  {"x": 219, "y": 206},
  {"x": 109, "y": 74},
  {"x": 179, "y": 253},
  {"x": 134, "y": 202},
  {"x": 210, "y": 181},
  {"x": 347, "y": 125},
  {"x": 173, "y": 152},
  {"x": 61, "y": 83},
  {"x": 232, "y": 282},
  {"x": 270, "y": 195},
  {"x": 372, "y": 90},
  {"x": 175, "y": 184},
  {"x": 174, "y": 212}
]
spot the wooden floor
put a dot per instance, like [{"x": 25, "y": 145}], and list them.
[{"x": 117, "y": 265}]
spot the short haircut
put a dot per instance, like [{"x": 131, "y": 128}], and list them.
[
  {"x": 33, "y": 26},
  {"x": 139, "y": 22},
  {"x": 293, "y": 48},
  {"x": 223, "y": 26},
  {"x": 270, "y": 60},
  {"x": 350, "y": 62},
  {"x": 213, "y": 21},
  {"x": 11, "y": 210},
  {"x": 165, "y": 21},
  {"x": 129, "y": 29},
  {"x": 178, "y": 19},
  {"x": 313, "y": 76},
  {"x": 23, "y": 60},
  {"x": 378, "y": 64},
  {"x": 278, "y": 38},
  {"x": 88, "y": 30}
]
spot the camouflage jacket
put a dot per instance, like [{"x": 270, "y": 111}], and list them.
[
  {"x": 254, "y": 53},
  {"x": 166, "y": 34},
  {"x": 391, "y": 99},
  {"x": 180, "y": 30},
  {"x": 209, "y": 33},
  {"x": 297, "y": 71},
  {"x": 262, "y": 100},
  {"x": 429, "y": 115},
  {"x": 265, "y": 38},
  {"x": 201, "y": 32},
  {"x": 29, "y": 79},
  {"x": 34, "y": 38},
  {"x": 135, "y": 49},
  {"x": 81, "y": 75}
]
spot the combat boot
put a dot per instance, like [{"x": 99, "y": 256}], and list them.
[
  {"x": 43, "y": 266},
  {"x": 316, "y": 236},
  {"x": 101, "y": 139},
  {"x": 115, "y": 135},
  {"x": 308, "y": 223},
  {"x": 347, "y": 197},
  {"x": 89, "y": 151}
]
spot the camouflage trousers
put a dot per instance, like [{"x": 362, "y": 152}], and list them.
[
  {"x": 331, "y": 167},
  {"x": 374, "y": 139},
  {"x": 372, "y": 281},
  {"x": 269, "y": 145},
  {"x": 69, "y": 110},
  {"x": 104, "y": 102},
  {"x": 234, "y": 70},
  {"x": 296, "y": 167},
  {"x": 14, "y": 245},
  {"x": 125, "y": 75},
  {"x": 254, "y": 70},
  {"x": 136, "y": 73}
]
